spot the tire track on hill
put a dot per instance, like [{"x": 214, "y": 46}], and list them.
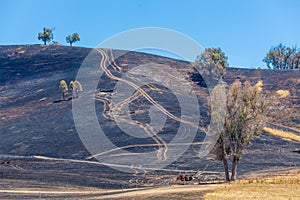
[
  {"x": 155, "y": 136},
  {"x": 158, "y": 106},
  {"x": 117, "y": 67},
  {"x": 107, "y": 164},
  {"x": 140, "y": 145},
  {"x": 107, "y": 103},
  {"x": 146, "y": 127}
]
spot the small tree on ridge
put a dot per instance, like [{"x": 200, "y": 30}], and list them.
[
  {"x": 46, "y": 35},
  {"x": 74, "y": 38},
  {"x": 213, "y": 56},
  {"x": 282, "y": 57}
]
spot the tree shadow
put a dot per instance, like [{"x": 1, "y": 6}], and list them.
[
  {"x": 58, "y": 101},
  {"x": 296, "y": 151}
]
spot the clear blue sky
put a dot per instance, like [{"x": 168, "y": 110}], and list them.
[{"x": 244, "y": 29}]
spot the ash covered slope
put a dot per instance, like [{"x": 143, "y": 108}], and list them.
[
  {"x": 30, "y": 121},
  {"x": 35, "y": 122},
  {"x": 33, "y": 119}
]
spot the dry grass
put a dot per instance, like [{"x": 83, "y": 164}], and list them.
[
  {"x": 285, "y": 186},
  {"x": 283, "y": 93},
  {"x": 259, "y": 85},
  {"x": 283, "y": 134}
]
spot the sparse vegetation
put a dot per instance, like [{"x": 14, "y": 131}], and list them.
[
  {"x": 283, "y": 93},
  {"x": 284, "y": 106},
  {"x": 245, "y": 118},
  {"x": 46, "y": 35},
  {"x": 54, "y": 43},
  {"x": 72, "y": 38},
  {"x": 63, "y": 88},
  {"x": 282, "y": 57}
]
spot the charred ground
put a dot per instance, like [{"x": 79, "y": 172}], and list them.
[{"x": 35, "y": 122}]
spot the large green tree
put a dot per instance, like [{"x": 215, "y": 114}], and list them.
[
  {"x": 72, "y": 38},
  {"x": 46, "y": 35},
  {"x": 246, "y": 109},
  {"x": 282, "y": 57}
]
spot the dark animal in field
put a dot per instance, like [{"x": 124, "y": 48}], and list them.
[{"x": 184, "y": 177}]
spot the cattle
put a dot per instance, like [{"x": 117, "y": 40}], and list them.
[{"x": 184, "y": 177}]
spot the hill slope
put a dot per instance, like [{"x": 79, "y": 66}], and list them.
[{"x": 35, "y": 122}]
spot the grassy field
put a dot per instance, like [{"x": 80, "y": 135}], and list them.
[{"x": 285, "y": 186}]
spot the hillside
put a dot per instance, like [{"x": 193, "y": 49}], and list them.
[{"x": 36, "y": 122}]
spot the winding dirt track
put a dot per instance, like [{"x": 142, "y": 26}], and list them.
[
  {"x": 148, "y": 129},
  {"x": 153, "y": 102},
  {"x": 109, "y": 109},
  {"x": 140, "y": 145},
  {"x": 107, "y": 164},
  {"x": 161, "y": 144}
]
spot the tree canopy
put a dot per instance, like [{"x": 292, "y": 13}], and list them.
[
  {"x": 72, "y": 38},
  {"x": 46, "y": 35},
  {"x": 213, "y": 56},
  {"x": 282, "y": 57},
  {"x": 76, "y": 87},
  {"x": 63, "y": 88}
]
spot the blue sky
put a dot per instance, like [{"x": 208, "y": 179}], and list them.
[{"x": 244, "y": 29}]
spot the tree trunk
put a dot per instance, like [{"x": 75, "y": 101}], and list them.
[
  {"x": 45, "y": 42},
  {"x": 234, "y": 168},
  {"x": 225, "y": 163},
  {"x": 63, "y": 96},
  {"x": 70, "y": 43}
]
